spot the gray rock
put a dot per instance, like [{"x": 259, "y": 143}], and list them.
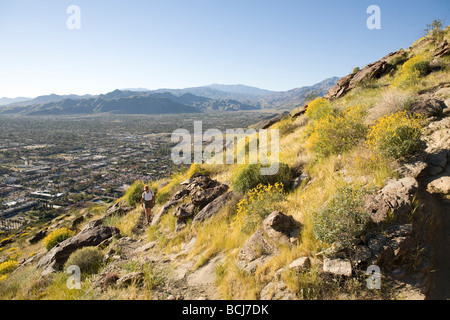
[
  {"x": 213, "y": 207},
  {"x": 402, "y": 246},
  {"x": 396, "y": 197},
  {"x": 184, "y": 211},
  {"x": 428, "y": 107},
  {"x": 38, "y": 236},
  {"x": 440, "y": 185},
  {"x": 300, "y": 264},
  {"x": 203, "y": 197},
  {"x": 341, "y": 267},
  {"x": 362, "y": 254},
  {"x": 279, "y": 226},
  {"x": 258, "y": 244},
  {"x": 375, "y": 244},
  {"x": 276, "y": 291},
  {"x": 90, "y": 236}
]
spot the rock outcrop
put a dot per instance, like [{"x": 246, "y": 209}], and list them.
[
  {"x": 92, "y": 235},
  {"x": 395, "y": 199},
  {"x": 370, "y": 72},
  {"x": 278, "y": 228}
]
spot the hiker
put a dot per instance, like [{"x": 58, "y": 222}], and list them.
[{"x": 147, "y": 202}]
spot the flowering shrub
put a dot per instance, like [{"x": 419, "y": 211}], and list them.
[
  {"x": 196, "y": 168},
  {"x": 412, "y": 71},
  {"x": 8, "y": 266},
  {"x": 318, "y": 108},
  {"x": 343, "y": 218},
  {"x": 56, "y": 237},
  {"x": 396, "y": 135},
  {"x": 337, "y": 132},
  {"x": 258, "y": 204}
]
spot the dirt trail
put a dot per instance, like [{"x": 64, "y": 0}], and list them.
[{"x": 438, "y": 281}]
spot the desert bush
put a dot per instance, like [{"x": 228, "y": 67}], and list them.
[
  {"x": 258, "y": 204},
  {"x": 286, "y": 126},
  {"x": 318, "y": 108},
  {"x": 164, "y": 193},
  {"x": 337, "y": 132},
  {"x": 197, "y": 168},
  {"x": 133, "y": 194},
  {"x": 412, "y": 72},
  {"x": 8, "y": 267},
  {"x": 343, "y": 218},
  {"x": 56, "y": 237},
  {"x": 88, "y": 259},
  {"x": 396, "y": 135},
  {"x": 249, "y": 176}
]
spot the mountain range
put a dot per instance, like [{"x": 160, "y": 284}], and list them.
[{"x": 216, "y": 97}]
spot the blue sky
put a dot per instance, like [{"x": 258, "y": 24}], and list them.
[{"x": 275, "y": 45}]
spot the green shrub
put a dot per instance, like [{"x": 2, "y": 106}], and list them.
[
  {"x": 56, "y": 237},
  {"x": 422, "y": 67},
  {"x": 286, "y": 126},
  {"x": 133, "y": 195},
  {"x": 343, "y": 218},
  {"x": 88, "y": 259},
  {"x": 249, "y": 176},
  {"x": 396, "y": 135},
  {"x": 337, "y": 132}
]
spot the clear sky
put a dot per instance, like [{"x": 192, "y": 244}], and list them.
[{"x": 275, "y": 45}]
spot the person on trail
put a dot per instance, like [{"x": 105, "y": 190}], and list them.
[{"x": 147, "y": 202}]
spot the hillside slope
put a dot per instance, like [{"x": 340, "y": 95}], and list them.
[{"x": 363, "y": 178}]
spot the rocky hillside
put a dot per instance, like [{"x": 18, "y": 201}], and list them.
[{"x": 356, "y": 211}]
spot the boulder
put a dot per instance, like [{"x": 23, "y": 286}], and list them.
[
  {"x": 341, "y": 267},
  {"x": 370, "y": 72},
  {"x": 213, "y": 207},
  {"x": 256, "y": 246},
  {"x": 90, "y": 236},
  {"x": 440, "y": 185},
  {"x": 38, "y": 236},
  {"x": 401, "y": 247},
  {"x": 184, "y": 211},
  {"x": 277, "y": 228},
  {"x": 203, "y": 197},
  {"x": 362, "y": 254},
  {"x": 280, "y": 227},
  {"x": 396, "y": 197},
  {"x": 300, "y": 264},
  {"x": 428, "y": 107},
  {"x": 276, "y": 291}
]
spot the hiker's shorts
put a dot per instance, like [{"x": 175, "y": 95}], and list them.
[{"x": 148, "y": 204}]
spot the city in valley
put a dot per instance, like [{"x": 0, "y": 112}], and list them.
[{"x": 50, "y": 164}]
